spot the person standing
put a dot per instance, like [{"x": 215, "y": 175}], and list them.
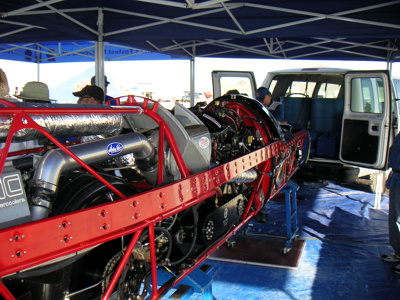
[
  {"x": 35, "y": 91},
  {"x": 4, "y": 88},
  {"x": 274, "y": 107},
  {"x": 393, "y": 184},
  {"x": 90, "y": 94},
  {"x": 106, "y": 83}
]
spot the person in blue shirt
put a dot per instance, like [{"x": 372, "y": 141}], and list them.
[
  {"x": 90, "y": 94},
  {"x": 274, "y": 107},
  {"x": 393, "y": 184},
  {"x": 106, "y": 83}
]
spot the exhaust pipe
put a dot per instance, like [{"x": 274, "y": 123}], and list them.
[{"x": 64, "y": 125}]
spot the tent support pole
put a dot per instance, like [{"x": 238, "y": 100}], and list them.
[
  {"x": 192, "y": 86},
  {"x": 38, "y": 71},
  {"x": 99, "y": 52},
  {"x": 38, "y": 64}
]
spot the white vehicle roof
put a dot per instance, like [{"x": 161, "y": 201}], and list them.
[
  {"x": 328, "y": 72},
  {"x": 312, "y": 70}
]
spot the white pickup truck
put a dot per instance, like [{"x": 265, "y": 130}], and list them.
[{"x": 352, "y": 116}]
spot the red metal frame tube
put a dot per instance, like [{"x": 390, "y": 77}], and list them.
[
  {"x": 153, "y": 260},
  {"x": 122, "y": 264},
  {"x": 161, "y": 153},
  {"x": 5, "y": 292}
]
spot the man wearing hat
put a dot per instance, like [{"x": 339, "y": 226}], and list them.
[
  {"x": 106, "y": 83},
  {"x": 90, "y": 94},
  {"x": 274, "y": 107},
  {"x": 35, "y": 91}
]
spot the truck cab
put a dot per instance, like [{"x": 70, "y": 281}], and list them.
[{"x": 352, "y": 117}]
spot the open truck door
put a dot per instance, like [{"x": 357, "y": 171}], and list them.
[
  {"x": 242, "y": 81},
  {"x": 366, "y": 130}
]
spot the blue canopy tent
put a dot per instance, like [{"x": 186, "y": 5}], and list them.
[
  {"x": 343, "y": 30},
  {"x": 53, "y": 52}
]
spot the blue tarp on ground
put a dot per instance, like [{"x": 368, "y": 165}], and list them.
[
  {"x": 345, "y": 238},
  {"x": 333, "y": 212}
]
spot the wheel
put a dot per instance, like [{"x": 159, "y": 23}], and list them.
[
  {"x": 285, "y": 250},
  {"x": 230, "y": 244},
  {"x": 84, "y": 190},
  {"x": 244, "y": 231},
  {"x": 134, "y": 280}
]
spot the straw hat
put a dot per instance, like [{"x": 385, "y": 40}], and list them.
[
  {"x": 4, "y": 88},
  {"x": 35, "y": 91}
]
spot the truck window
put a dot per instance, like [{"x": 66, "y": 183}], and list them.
[
  {"x": 329, "y": 90},
  {"x": 301, "y": 87},
  {"x": 367, "y": 95},
  {"x": 242, "y": 84},
  {"x": 272, "y": 85}
]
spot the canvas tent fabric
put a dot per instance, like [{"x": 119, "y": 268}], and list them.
[
  {"x": 325, "y": 29},
  {"x": 82, "y": 51}
]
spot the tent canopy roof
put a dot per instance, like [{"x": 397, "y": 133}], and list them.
[{"x": 324, "y": 29}]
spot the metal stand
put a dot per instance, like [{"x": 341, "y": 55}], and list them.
[
  {"x": 198, "y": 281},
  {"x": 291, "y": 228},
  {"x": 378, "y": 193}
]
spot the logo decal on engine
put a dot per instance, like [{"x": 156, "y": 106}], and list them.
[
  {"x": 114, "y": 148},
  {"x": 204, "y": 142}
]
